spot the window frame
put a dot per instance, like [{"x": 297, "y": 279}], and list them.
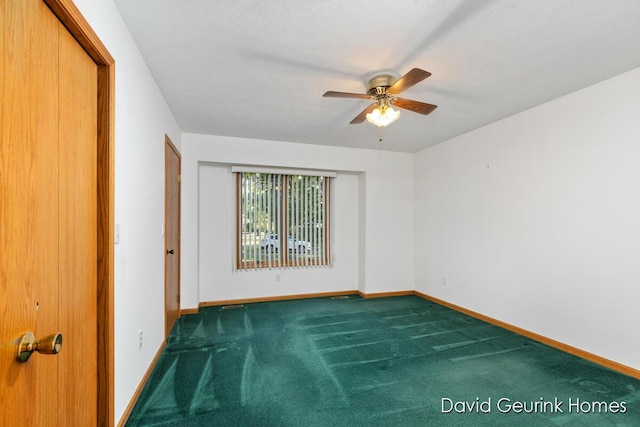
[{"x": 287, "y": 260}]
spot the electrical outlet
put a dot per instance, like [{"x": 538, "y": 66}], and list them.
[
  {"x": 277, "y": 277},
  {"x": 444, "y": 280},
  {"x": 139, "y": 339}
]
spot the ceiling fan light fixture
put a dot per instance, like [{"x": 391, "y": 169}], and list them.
[
  {"x": 383, "y": 116},
  {"x": 383, "y": 89}
]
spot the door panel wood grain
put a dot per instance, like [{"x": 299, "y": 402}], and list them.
[
  {"x": 172, "y": 235},
  {"x": 28, "y": 218},
  {"x": 77, "y": 223},
  {"x": 50, "y": 176}
]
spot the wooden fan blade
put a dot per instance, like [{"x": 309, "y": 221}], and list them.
[
  {"x": 363, "y": 116},
  {"x": 411, "y": 78},
  {"x": 416, "y": 106},
  {"x": 332, "y": 94}
]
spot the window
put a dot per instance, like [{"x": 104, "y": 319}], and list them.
[{"x": 283, "y": 220}]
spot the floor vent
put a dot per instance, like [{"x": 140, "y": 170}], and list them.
[
  {"x": 341, "y": 297},
  {"x": 228, "y": 307}
]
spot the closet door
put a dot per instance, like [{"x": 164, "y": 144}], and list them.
[{"x": 48, "y": 221}]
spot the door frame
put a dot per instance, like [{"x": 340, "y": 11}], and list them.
[{"x": 69, "y": 15}]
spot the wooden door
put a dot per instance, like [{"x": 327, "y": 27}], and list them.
[
  {"x": 49, "y": 186},
  {"x": 172, "y": 235},
  {"x": 28, "y": 222},
  {"x": 77, "y": 251}
]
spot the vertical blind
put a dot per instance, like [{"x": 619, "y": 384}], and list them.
[{"x": 283, "y": 220}]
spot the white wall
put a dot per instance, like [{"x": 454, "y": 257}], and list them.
[
  {"x": 142, "y": 119},
  {"x": 535, "y": 219},
  {"x": 208, "y": 220}
]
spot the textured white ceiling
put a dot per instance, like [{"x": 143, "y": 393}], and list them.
[{"x": 258, "y": 68}]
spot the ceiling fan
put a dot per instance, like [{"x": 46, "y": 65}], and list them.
[{"x": 383, "y": 90}]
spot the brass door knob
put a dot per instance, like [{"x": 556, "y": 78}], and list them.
[{"x": 28, "y": 344}]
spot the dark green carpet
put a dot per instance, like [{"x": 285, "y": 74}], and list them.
[{"x": 371, "y": 362}]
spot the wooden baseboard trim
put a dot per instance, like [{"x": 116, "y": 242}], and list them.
[
  {"x": 385, "y": 294},
  {"x": 276, "y": 298},
  {"x": 610, "y": 364},
  {"x": 188, "y": 311},
  {"x": 136, "y": 395}
]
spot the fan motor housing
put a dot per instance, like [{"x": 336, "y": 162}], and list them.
[{"x": 379, "y": 84}]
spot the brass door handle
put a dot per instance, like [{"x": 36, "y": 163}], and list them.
[{"x": 28, "y": 344}]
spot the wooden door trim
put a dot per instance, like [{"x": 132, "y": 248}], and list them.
[{"x": 78, "y": 26}]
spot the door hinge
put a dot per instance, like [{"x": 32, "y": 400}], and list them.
[{"x": 179, "y": 178}]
